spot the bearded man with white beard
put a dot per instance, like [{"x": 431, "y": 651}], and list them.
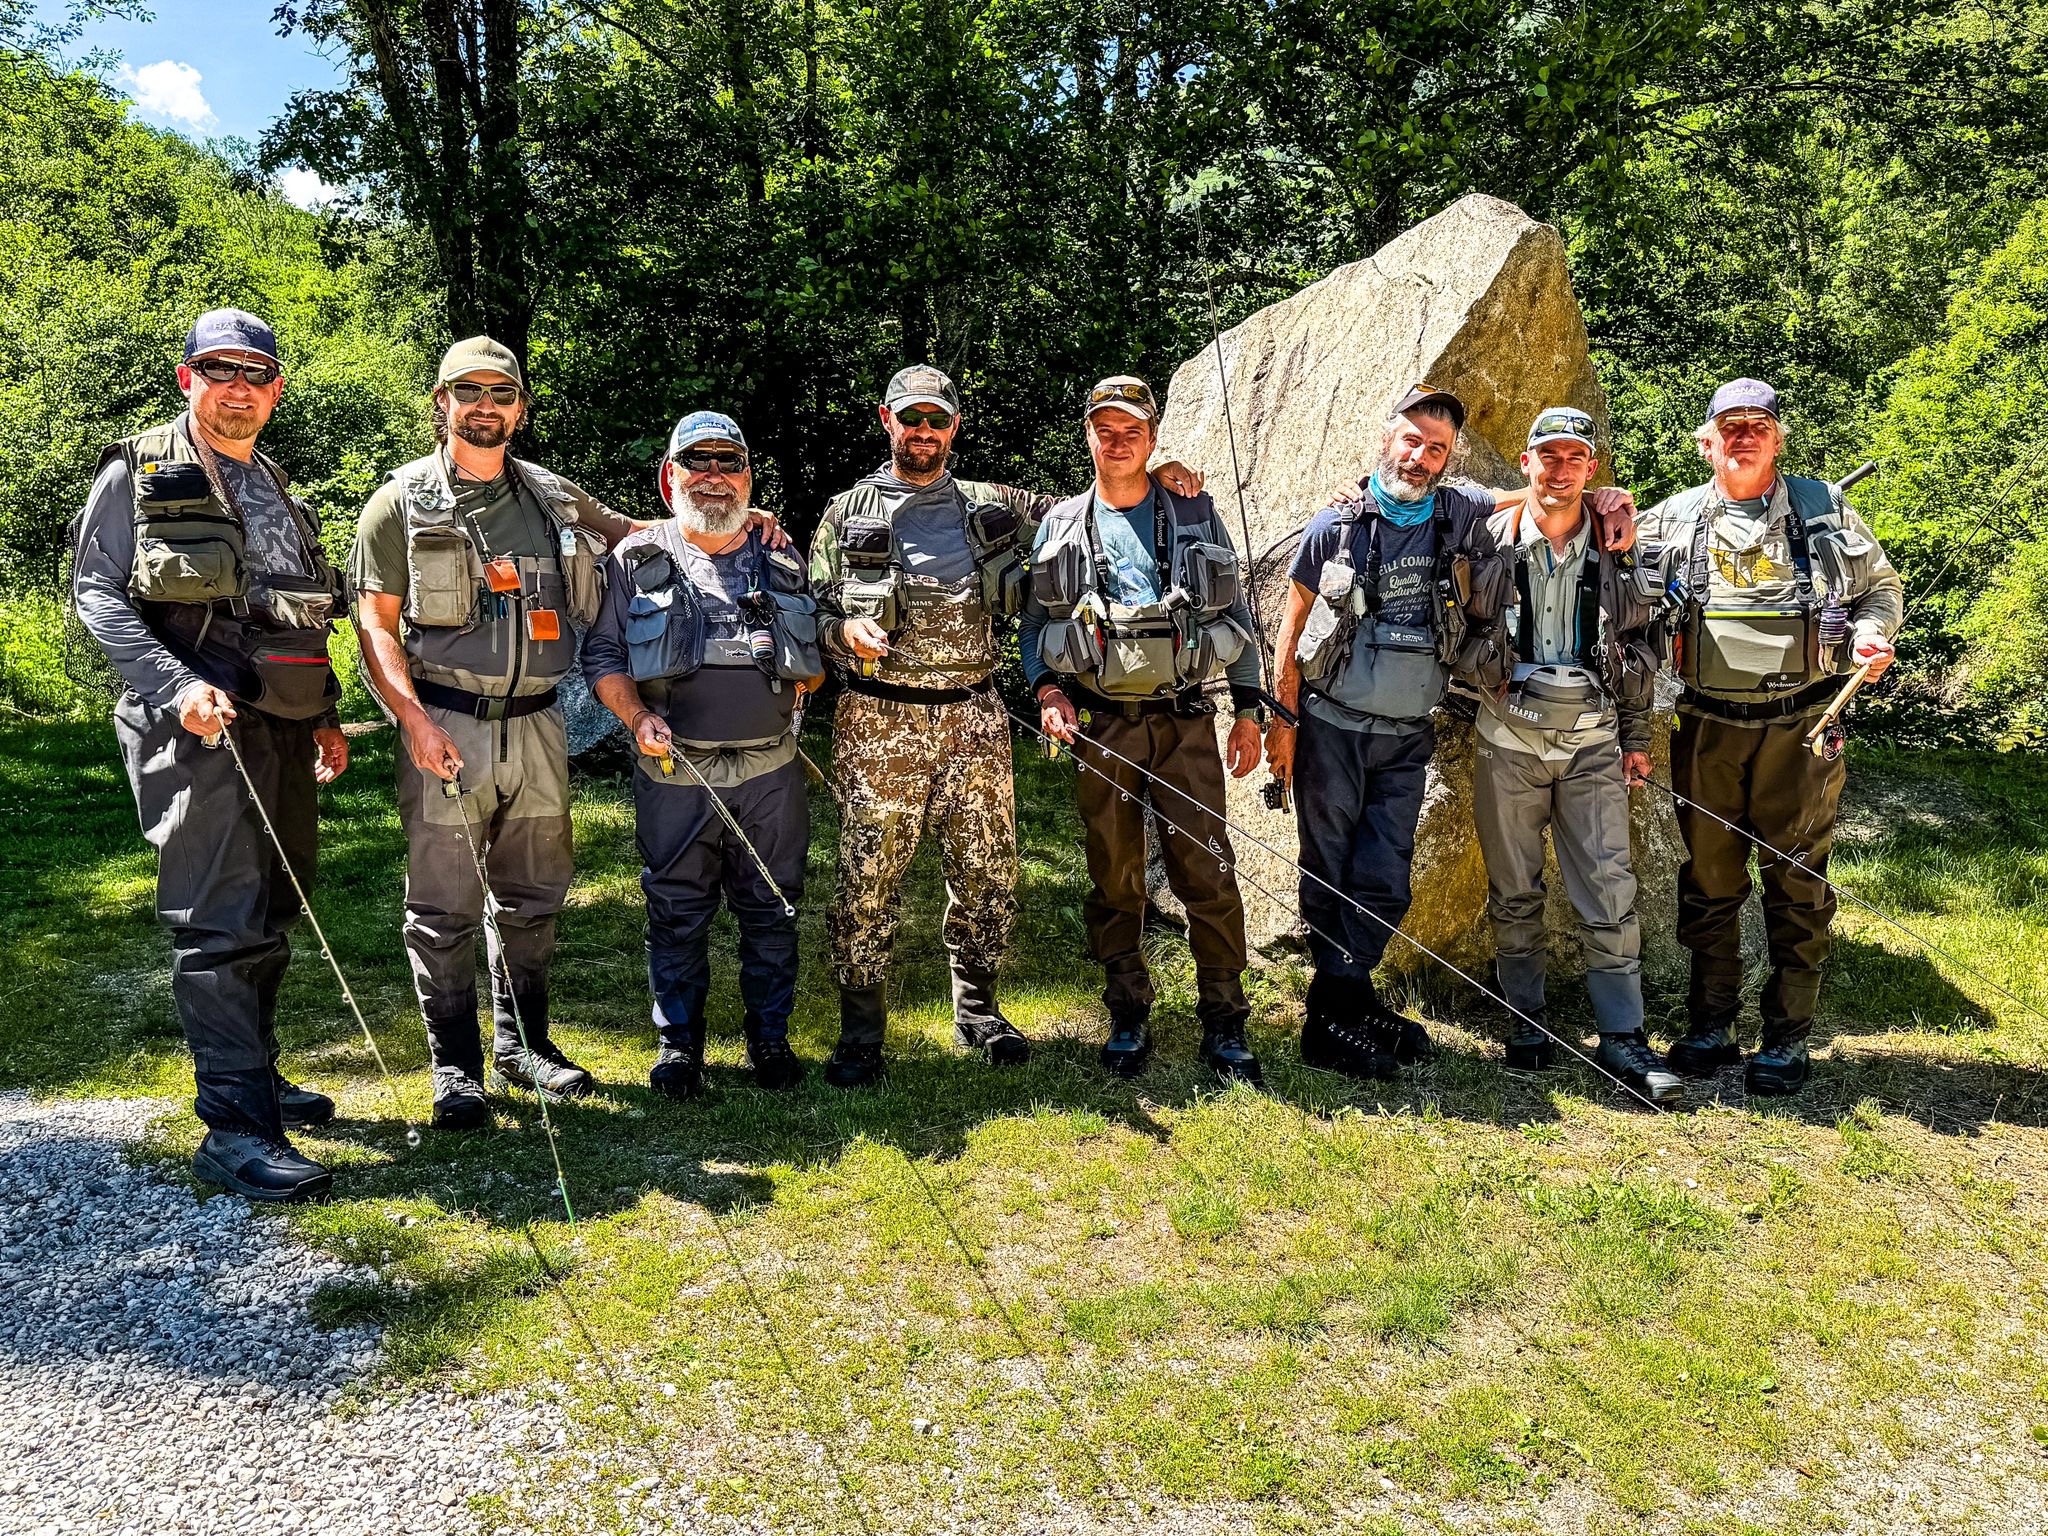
[
  {"x": 473, "y": 570},
  {"x": 706, "y": 642}
]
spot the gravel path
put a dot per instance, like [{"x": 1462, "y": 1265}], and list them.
[{"x": 159, "y": 1372}]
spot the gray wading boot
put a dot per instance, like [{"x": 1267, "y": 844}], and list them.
[
  {"x": 979, "y": 1025},
  {"x": 1630, "y": 1058},
  {"x": 456, "y": 1048},
  {"x": 539, "y": 1065},
  {"x": 300, "y": 1107},
  {"x": 1339, "y": 1032},
  {"x": 1778, "y": 1070},
  {"x": 1129, "y": 1046},
  {"x": 678, "y": 1071},
  {"x": 856, "y": 1060},
  {"x": 259, "y": 1168}
]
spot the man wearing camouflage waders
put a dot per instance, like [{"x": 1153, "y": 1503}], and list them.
[
  {"x": 472, "y": 567},
  {"x": 202, "y": 578},
  {"x": 1785, "y": 589},
  {"x": 912, "y": 569}
]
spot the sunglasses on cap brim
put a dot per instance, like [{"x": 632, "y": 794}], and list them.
[{"x": 1120, "y": 394}]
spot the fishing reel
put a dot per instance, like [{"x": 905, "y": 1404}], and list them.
[{"x": 1278, "y": 794}]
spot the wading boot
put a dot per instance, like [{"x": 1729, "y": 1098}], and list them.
[
  {"x": 1530, "y": 1049},
  {"x": 856, "y": 1060},
  {"x": 459, "y": 1103},
  {"x": 1409, "y": 1040},
  {"x": 1777, "y": 1070},
  {"x": 1338, "y": 1033},
  {"x": 1703, "y": 1050},
  {"x": 979, "y": 1025},
  {"x": 775, "y": 1065},
  {"x": 301, "y": 1107},
  {"x": 1229, "y": 1056},
  {"x": 678, "y": 1071},
  {"x": 456, "y": 1048},
  {"x": 1630, "y": 1059},
  {"x": 1129, "y": 1045},
  {"x": 259, "y": 1168},
  {"x": 543, "y": 1068}
]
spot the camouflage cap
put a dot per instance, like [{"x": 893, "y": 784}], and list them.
[
  {"x": 922, "y": 384},
  {"x": 479, "y": 354}
]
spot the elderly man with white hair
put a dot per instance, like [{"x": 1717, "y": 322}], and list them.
[{"x": 1785, "y": 589}]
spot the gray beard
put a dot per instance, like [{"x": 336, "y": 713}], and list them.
[
  {"x": 715, "y": 520},
  {"x": 1390, "y": 480}
]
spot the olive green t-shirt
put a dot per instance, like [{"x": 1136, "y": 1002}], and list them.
[{"x": 506, "y": 519}]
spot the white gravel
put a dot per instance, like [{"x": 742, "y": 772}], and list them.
[{"x": 159, "y": 1372}]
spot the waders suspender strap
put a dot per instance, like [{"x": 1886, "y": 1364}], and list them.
[{"x": 1586, "y": 644}]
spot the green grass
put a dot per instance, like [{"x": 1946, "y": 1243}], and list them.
[{"x": 1328, "y": 1307}]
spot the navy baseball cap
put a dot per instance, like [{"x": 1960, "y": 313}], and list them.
[
  {"x": 1743, "y": 395},
  {"x": 704, "y": 427},
  {"x": 230, "y": 330}
]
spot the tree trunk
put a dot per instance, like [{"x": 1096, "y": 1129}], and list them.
[{"x": 501, "y": 190}]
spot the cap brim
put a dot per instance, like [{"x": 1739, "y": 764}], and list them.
[
  {"x": 1563, "y": 437},
  {"x": 271, "y": 357},
  {"x": 935, "y": 401},
  {"x": 701, "y": 439},
  {"x": 1128, "y": 407}
]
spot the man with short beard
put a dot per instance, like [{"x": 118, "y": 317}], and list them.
[
  {"x": 202, "y": 578},
  {"x": 706, "y": 644},
  {"x": 473, "y": 570}
]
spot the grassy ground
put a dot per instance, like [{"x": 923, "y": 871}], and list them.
[{"x": 1470, "y": 1299}]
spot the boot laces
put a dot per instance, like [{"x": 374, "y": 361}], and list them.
[{"x": 1634, "y": 1053}]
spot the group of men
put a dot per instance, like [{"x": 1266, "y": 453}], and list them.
[{"x": 474, "y": 572}]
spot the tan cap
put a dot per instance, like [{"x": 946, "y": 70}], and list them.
[{"x": 479, "y": 354}]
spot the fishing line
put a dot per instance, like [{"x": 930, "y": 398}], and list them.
[
  {"x": 668, "y": 762},
  {"x": 226, "y": 734},
  {"x": 1251, "y": 586}
]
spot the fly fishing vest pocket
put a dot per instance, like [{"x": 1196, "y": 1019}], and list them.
[
  {"x": 664, "y": 621},
  {"x": 992, "y": 533},
  {"x": 442, "y": 573},
  {"x": 296, "y": 678},
  {"x": 188, "y": 549},
  {"x": 795, "y": 628},
  {"x": 1140, "y": 654},
  {"x": 1332, "y": 621},
  {"x": 582, "y": 574},
  {"x": 1072, "y": 646},
  {"x": 1746, "y": 650},
  {"x": 1392, "y": 671}
]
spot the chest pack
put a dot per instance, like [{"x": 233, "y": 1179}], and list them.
[
  {"x": 1617, "y": 638},
  {"x": 261, "y": 635},
  {"x": 1728, "y": 645},
  {"x": 671, "y": 635},
  {"x": 877, "y": 586},
  {"x": 1138, "y": 651},
  {"x": 494, "y": 621}
]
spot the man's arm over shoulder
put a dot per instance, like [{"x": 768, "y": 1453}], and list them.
[
  {"x": 593, "y": 514},
  {"x": 99, "y": 590}
]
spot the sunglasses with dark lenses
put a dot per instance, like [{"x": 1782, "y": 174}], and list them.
[
  {"x": 218, "y": 370},
  {"x": 701, "y": 463},
  {"x": 1135, "y": 394},
  {"x": 1577, "y": 423},
  {"x": 469, "y": 394},
  {"x": 911, "y": 416}
]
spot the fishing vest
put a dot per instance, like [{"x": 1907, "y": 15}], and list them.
[
  {"x": 1371, "y": 668},
  {"x": 489, "y": 623},
  {"x": 729, "y": 696},
  {"x": 1728, "y": 645},
  {"x": 1620, "y": 635},
  {"x": 1153, "y": 650},
  {"x": 263, "y": 639},
  {"x": 948, "y": 623}
]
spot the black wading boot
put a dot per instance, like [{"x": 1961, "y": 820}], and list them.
[
  {"x": 1630, "y": 1059},
  {"x": 300, "y": 1107},
  {"x": 1129, "y": 1045},
  {"x": 1229, "y": 1056},
  {"x": 271, "y": 1171},
  {"x": 979, "y": 1025},
  {"x": 1778, "y": 1070},
  {"x": 776, "y": 1066},
  {"x": 1530, "y": 1048},
  {"x": 678, "y": 1071},
  {"x": 538, "y": 1065},
  {"x": 1411, "y": 1042},
  {"x": 1338, "y": 1032},
  {"x": 856, "y": 1060},
  {"x": 455, "y": 1047}
]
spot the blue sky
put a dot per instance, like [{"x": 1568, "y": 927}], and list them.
[{"x": 211, "y": 68}]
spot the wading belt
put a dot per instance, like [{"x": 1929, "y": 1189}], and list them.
[
  {"x": 1188, "y": 702},
  {"x": 1812, "y": 696},
  {"x": 483, "y": 706},
  {"x": 896, "y": 693}
]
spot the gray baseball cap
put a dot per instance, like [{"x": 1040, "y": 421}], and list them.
[
  {"x": 1743, "y": 395},
  {"x": 1123, "y": 392},
  {"x": 1562, "y": 423},
  {"x": 922, "y": 384}
]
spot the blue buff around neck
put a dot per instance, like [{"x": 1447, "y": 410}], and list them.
[{"x": 1402, "y": 514}]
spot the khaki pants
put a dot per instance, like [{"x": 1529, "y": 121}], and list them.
[{"x": 1181, "y": 750}]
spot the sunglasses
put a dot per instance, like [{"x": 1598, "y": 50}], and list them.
[
  {"x": 911, "y": 416},
  {"x": 469, "y": 394},
  {"x": 698, "y": 463},
  {"x": 218, "y": 370},
  {"x": 1577, "y": 423},
  {"x": 1134, "y": 394}
]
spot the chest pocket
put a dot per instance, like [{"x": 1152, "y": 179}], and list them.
[
  {"x": 664, "y": 622},
  {"x": 187, "y": 548},
  {"x": 992, "y": 531},
  {"x": 443, "y": 575},
  {"x": 582, "y": 573},
  {"x": 1332, "y": 619},
  {"x": 1392, "y": 671}
]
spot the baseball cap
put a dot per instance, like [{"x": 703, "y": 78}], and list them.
[
  {"x": 922, "y": 384},
  {"x": 1562, "y": 423},
  {"x": 1743, "y": 395},
  {"x": 1122, "y": 392},
  {"x": 479, "y": 354},
  {"x": 704, "y": 427},
  {"x": 230, "y": 330},
  {"x": 1421, "y": 392}
]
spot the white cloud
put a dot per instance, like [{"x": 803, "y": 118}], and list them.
[
  {"x": 168, "y": 89},
  {"x": 305, "y": 189}
]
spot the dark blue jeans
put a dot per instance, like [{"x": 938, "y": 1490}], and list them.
[
  {"x": 1357, "y": 799},
  {"x": 691, "y": 859}
]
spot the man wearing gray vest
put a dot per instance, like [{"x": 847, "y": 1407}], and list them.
[
  {"x": 1786, "y": 590},
  {"x": 706, "y": 642},
  {"x": 473, "y": 570},
  {"x": 1136, "y": 603},
  {"x": 202, "y": 578},
  {"x": 1561, "y": 745}
]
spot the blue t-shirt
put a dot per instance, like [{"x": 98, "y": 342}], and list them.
[
  {"x": 1407, "y": 561},
  {"x": 1127, "y": 544}
]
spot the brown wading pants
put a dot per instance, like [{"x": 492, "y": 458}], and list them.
[
  {"x": 1180, "y": 749},
  {"x": 1766, "y": 780}
]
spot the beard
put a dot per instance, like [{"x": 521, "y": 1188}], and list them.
[
  {"x": 1389, "y": 477},
  {"x": 917, "y": 458},
  {"x": 483, "y": 432},
  {"x": 231, "y": 426},
  {"x": 712, "y": 515}
]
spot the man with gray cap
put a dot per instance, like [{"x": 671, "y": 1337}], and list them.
[
  {"x": 1563, "y": 737},
  {"x": 706, "y": 643},
  {"x": 202, "y": 578},
  {"x": 474, "y": 570},
  {"x": 1784, "y": 589},
  {"x": 913, "y": 569}
]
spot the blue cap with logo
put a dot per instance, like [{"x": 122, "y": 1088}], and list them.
[
  {"x": 704, "y": 427},
  {"x": 230, "y": 330},
  {"x": 1743, "y": 395}
]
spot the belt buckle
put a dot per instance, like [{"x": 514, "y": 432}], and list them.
[{"x": 488, "y": 708}]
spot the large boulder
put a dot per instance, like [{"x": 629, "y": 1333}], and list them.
[{"x": 1477, "y": 300}]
